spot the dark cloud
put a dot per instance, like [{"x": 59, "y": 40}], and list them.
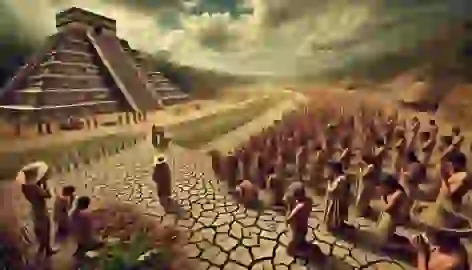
[{"x": 277, "y": 30}]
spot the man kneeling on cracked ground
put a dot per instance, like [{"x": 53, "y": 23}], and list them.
[
  {"x": 247, "y": 193},
  {"x": 298, "y": 219}
]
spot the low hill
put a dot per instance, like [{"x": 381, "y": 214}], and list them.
[{"x": 198, "y": 82}]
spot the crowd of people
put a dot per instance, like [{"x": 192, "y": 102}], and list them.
[
  {"x": 366, "y": 163},
  {"x": 356, "y": 160},
  {"x": 70, "y": 220}
]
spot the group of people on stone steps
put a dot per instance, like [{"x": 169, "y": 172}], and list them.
[
  {"x": 359, "y": 159},
  {"x": 70, "y": 215}
]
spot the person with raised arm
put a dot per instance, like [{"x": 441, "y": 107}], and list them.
[
  {"x": 336, "y": 207},
  {"x": 34, "y": 178},
  {"x": 297, "y": 218}
]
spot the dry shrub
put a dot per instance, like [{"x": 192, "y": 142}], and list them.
[{"x": 125, "y": 222}]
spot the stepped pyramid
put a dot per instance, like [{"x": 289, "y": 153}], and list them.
[{"x": 81, "y": 70}]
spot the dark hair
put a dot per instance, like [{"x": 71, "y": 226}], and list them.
[
  {"x": 447, "y": 140},
  {"x": 458, "y": 159},
  {"x": 456, "y": 130},
  {"x": 68, "y": 190},
  {"x": 389, "y": 181},
  {"x": 83, "y": 202},
  {"x": 335, "y": 166},
  {"x": 432, "y": 122},
  {"x": 369, "y": 159},
  {"x": 379, "y": 141},
  {"x": 444, "y": 238},
  {"x": 411, "y": 156}
]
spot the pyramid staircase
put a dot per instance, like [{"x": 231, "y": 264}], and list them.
[
  {"x": 167, "y": 92},
  {"x": 84, "y": 69}
]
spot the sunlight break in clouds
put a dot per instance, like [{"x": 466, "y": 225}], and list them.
[{"x": 279, "y": 37}]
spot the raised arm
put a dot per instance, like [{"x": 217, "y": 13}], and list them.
[
  {"x": 333, "y": 186},
  {"x": 294, "y": 211},
  {"x": 394, "y": 202}
]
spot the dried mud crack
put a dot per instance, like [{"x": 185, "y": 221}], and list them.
[{"x": 222, "y": 234}]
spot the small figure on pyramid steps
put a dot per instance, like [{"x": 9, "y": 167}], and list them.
[{"x": 154, "y": 136}]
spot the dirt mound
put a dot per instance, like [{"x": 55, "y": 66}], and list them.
[{"x": 455, "y": 105}]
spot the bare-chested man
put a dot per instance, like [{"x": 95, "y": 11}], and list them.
[
  {"x": 247, "y": 193},
  {"x": 438, "y": 250},
  {"x": 62, "y": 206},
  {"x": 400, "y": 150},
  {"x": 82, "y": 228},
  {"x": 455, "y": 183},
  {"x": 413, "y": 174},
  {"x": 298, "y": 218},
  {"x": 276, "y": 184}
]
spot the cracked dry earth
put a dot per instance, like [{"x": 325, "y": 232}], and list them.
[{"x": 222, "y": 234}]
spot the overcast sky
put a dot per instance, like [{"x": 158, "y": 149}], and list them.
[{"x": 278, "y": 37}]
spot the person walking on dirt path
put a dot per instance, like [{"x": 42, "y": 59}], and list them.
[
  {"x": 34, "y": 178},
  {"x": 162, "y": 176}
]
